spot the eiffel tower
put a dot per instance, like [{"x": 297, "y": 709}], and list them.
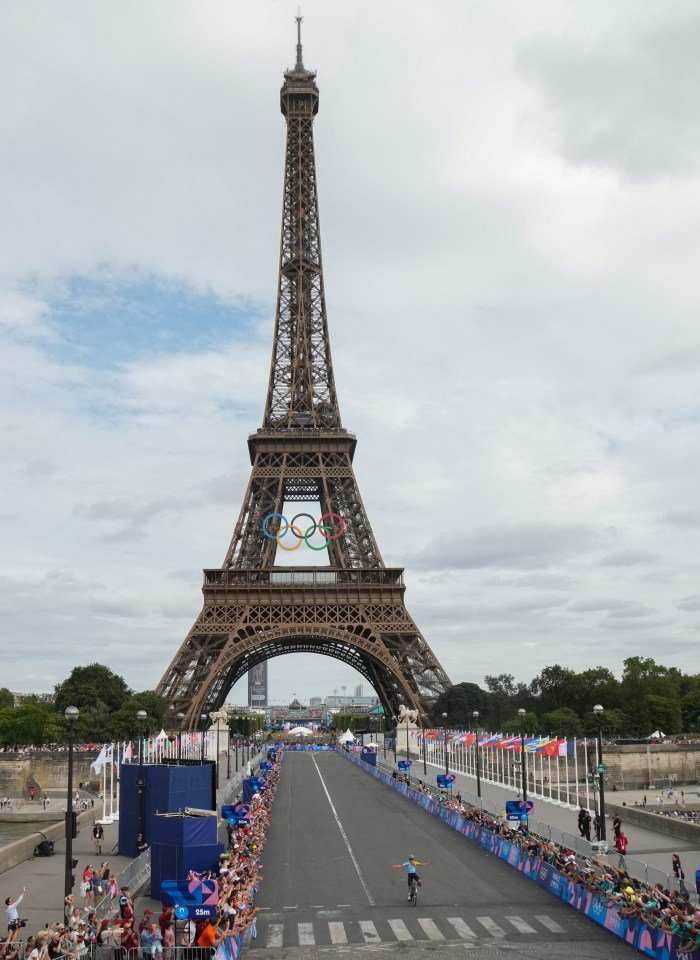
[{"x": 353, "y": 608}]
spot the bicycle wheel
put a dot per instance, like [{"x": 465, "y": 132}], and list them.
[{"x": 414, "y": 894}]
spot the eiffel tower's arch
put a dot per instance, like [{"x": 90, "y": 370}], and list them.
[
  {"x": 352, "y": 609},
  {"x": 357, "y": 646}
]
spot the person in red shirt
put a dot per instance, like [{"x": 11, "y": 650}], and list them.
[
  {"x": 168, "y": 913},
  {"x": 621, "y": 847},
  {"x": 147, "y": 914}
]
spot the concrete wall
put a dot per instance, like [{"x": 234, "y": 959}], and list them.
[
  {"x": 47, "y": 769},
  {"x": 23, "y": 849},
  {"x": 653, "y": 821}
]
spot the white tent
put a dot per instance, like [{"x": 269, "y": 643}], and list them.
[
  {"x": 657, "y": 735},
  {"x": 162, "y": 735},
  {"x": 304, "y": 731},
  {"x": 347, "y": 737}
]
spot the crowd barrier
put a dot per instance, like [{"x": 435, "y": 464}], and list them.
[{"x": 652, "y": 943}]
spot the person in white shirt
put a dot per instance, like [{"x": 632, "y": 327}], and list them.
[{"x": 13, "y": 922}]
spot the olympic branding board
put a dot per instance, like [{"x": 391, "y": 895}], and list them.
[
  {"x": 192, "y": 899},
  {"x": 517, "y": 811}
]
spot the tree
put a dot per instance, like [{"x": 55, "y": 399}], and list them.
[
  {"x": 563, "y": 723},
  {"x": 459, "y": 703},
  {"x": 504, "y": 692},
  {"x": 124, "y": 723},
  {"x": 86, "y": 686},
  {"x": 7, "y": 698},
  {"x": 528, "y": 723},
  {"x": 664, "y": 714},
  {"x": 554, "y": 688}
]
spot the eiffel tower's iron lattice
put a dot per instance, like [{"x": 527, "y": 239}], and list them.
[{"x": 353, "y": 608}]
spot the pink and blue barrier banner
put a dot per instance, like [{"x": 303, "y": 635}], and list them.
[{"x": 652, "y": 943}]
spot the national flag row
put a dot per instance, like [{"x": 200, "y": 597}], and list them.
[{"x": 548, "y": 746}]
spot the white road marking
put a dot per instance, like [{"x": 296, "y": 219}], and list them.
[
  {"x": 492, "y": 927},
  {"x": 400, "y": 929},
  {"x": 465, "y": 932},
  {"x": 550, "y": 924},
  {"x": 337, "y": 932},
  {"x": 520, "y": 925},
  {"x": 369, "y": 932},
  {"x": 306, "y": 934},
  {"x": 430, "y": 929},
  {"x": 275, "y": 934},
  {"x": 344, "y": 836}
]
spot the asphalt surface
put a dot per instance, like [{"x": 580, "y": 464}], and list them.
[{"x": 329, "y": 887}]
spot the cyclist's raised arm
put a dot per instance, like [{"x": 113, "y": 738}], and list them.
[{"x": 396, "y": 866}]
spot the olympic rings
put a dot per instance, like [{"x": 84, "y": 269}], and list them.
[{"x": 316, "y": 525}]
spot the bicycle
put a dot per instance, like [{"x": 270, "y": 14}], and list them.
[{"x": 414, "y": 891}]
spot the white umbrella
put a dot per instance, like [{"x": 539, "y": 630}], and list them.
[{"x": 302, "y": 730}]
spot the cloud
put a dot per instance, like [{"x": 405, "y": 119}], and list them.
[
  {"x": 691, "y": 603},
  {"x": 519, "y": 545},
  {"x": 682, "y": 518},
  {"x": 625, "y": 97},
  {"x": 628, "y": 558},
  {"x": 617, "y": 609}
]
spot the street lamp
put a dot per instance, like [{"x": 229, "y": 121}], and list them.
[
  {"x": 228, "y": 752},
  {"x": 476, "y": 747},
  {"x": 384, "y": 733},
  {"x": 203, "y": 718},
  {"x": 523, "y": 762},
  {"x": 598, "y": 711},
  {"x": 141, "y": 717},
  {"x": 424, "y": 748},
  {"x": 71, "y": 714},
  {"x": 180, "y": 718},
  {"x": 444, "y": 740}
]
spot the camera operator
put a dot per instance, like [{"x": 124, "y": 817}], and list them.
[{"x": 13, "y": 921}]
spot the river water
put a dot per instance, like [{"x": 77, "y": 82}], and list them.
[{"x": 10, "y": 832}]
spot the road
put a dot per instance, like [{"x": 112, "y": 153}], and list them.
[{"x": 329, "y": 888}]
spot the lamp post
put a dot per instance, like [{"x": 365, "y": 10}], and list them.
[
  {"x": 228, "y": 753},
  {"x": 424, "y": 750},
  {"x": 523, "y": 765},
  {"x": 444, "y": 740},
  {"x": 71, "y": 714},
  {"x": 476, "y": 748},
  {"x": 396, "y": 736},
  {"x": 203, "y": 718},
  {"x": 180, "y": 718},
  {"x": 141, "y": 717},
  {"x": 598, "y": 711},
  {"x": 384, "y": 734}
]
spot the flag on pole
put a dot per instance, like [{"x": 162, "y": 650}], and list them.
[{"x": 99, "y": 761}]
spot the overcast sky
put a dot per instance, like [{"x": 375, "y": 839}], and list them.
[{"x": 510, "y": 213}]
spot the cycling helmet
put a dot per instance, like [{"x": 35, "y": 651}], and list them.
[{"x": 411, "y": 857}]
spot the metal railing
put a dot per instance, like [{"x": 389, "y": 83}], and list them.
[
  {"x": 233, "y": 786},
  {"x": 134, "y": 876}
]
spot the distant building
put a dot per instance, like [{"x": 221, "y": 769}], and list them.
[
  {"x": 41, "y": 697},
  {"x": 257, "y": 685},
  {"x": 359, "y": 690}
]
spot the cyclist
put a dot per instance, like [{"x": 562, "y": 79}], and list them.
[{"x": 411, "y": 865}]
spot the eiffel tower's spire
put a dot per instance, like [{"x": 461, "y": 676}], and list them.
[
  {"x": 300, "y": 63},
  {"x": 301, "y": 392}
]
